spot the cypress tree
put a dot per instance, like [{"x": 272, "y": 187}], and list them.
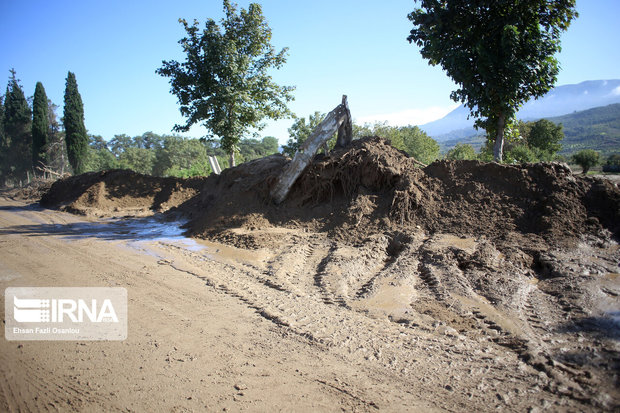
[
  {"x": 40, "y": 125},
  {"x": 75, "y": 131},
  {"x": 2, "y": 142},
  {"x": 17, "y": 126}
]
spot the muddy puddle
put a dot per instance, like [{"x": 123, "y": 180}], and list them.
[{"x": 149, "y": 235}]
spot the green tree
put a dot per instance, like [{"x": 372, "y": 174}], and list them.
[
  {"x": 520, "y": 154},
  {"x": 545, "y": 136},
  {"x": 586, "y": 158},
  {"x": 418, "y": 144},
  {"x": 40, "y": 125},
  {"x": 462, "y": 151},
  {"x": 140, "y": 160},
  {"x": 410, "y": 139},
  {"x": 181, "y": 157},
  {"x": 299, "y": 131},
  {"x": 17, "y": 125},
  {"x": 250, "y": 149},
  {"x": 269, "y": 145},
  {"x": 500, "y": 53},
  {"x": 120, "y": 143},
  {"x": 75, "y": 131},
  {"x": 99, "y": 157},
  {"x": 148, "y": 140},
  {"x": 224, "y": 82},
  {"x": 3, "y": 150}
]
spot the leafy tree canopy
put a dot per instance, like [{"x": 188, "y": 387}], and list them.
[
  {"x": 499, "y": 53},
  {"x": 410, "y": 139},
  {"x": 224, "y": 82},
  {"x": 586, "y": 158},
  {"x": 462, "y": 151},
  {"x": 545, "y": 135}
]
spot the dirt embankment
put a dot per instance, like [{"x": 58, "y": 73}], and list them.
[
  {"x": 520, "y": 258},
  {"x": 368, "y": 187},
  {"x": 372, "y": 187},
  {"x": 119, "y": 192}
]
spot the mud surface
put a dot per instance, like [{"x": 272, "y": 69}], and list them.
[{"x": 498, "y": 284}]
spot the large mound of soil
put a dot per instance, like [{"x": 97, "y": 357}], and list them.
[
  {"x": 366, "y": 188},
  {"x": 118, "y": 192},
  {"x": 373, "y": 187}
]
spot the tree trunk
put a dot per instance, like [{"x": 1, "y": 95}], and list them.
[
  {"x": 232, "y": 159},
  {"x": 332, "y": 123},
  {"x": 498, "y": 148},
  {"x": 345, "y": 131}
]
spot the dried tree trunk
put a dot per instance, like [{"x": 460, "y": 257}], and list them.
[
  {"x": 345, "y": 131},
  {"x": 335, "y": 121}
]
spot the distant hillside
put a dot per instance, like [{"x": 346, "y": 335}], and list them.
[
  {"x": 597, "y": 128},
  {"x": 559, "y": 101}
]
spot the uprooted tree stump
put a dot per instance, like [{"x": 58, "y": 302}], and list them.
[{"x": 338, "y": 120}]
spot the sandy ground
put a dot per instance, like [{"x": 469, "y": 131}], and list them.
[{"x": 217, "y": 328}]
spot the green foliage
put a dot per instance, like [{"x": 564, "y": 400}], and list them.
[
  {"x": 16, "y": 147},
  {"x": 250, "y": 149},
  {"x": 99, "y": 157},
  {"x": 612, "y": 164},
  {"x": 520, "y": 154},
  {"x": 528, "y": 142},
  {"x": 168, "y": 155},
  {"x": 180, "y": 156},
  {"x": 1, "y": 120},
  {"x": 75, "y": 131},
  {"x": 462, "y": 151},
  {"x": 418, "y": 144},
  {"x": 224, "y": 82},
  {"x": 545, "y": 136},
  {"x": 499, "y": 53},
  {"x": 140, "y": 160},
  {"x": 40, "y": 125},
  {"x": 410, "y": 139},
  {"x": 586, "y": 158},
  {"x": 301, "y": 130}
]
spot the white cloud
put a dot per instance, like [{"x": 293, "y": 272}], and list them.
[
  {"x": 409, "y": 116},
  {"x": 616, "y": 91}
]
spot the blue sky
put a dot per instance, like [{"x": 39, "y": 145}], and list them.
[{"x": 357, "y": 48}]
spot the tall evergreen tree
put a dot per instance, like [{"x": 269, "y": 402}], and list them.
[
  {"x": 17, "y": 125},
  {"x": 2, "y": 142},
  {"x": 40, "y": 125},
  {"x": 75, "y": 131}
]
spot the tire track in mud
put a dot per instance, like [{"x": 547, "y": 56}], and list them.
[
  {"x": 289, "y": 266},
  {"x": 327, "y": 282},
  {"x": 352, "y": 334}
]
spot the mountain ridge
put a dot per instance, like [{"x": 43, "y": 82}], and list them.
[
  {"x": 595, "y": 128},
  {"x": 561, "y": 100}
]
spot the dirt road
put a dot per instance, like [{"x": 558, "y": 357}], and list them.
[{"x": 217, "y": 328}]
